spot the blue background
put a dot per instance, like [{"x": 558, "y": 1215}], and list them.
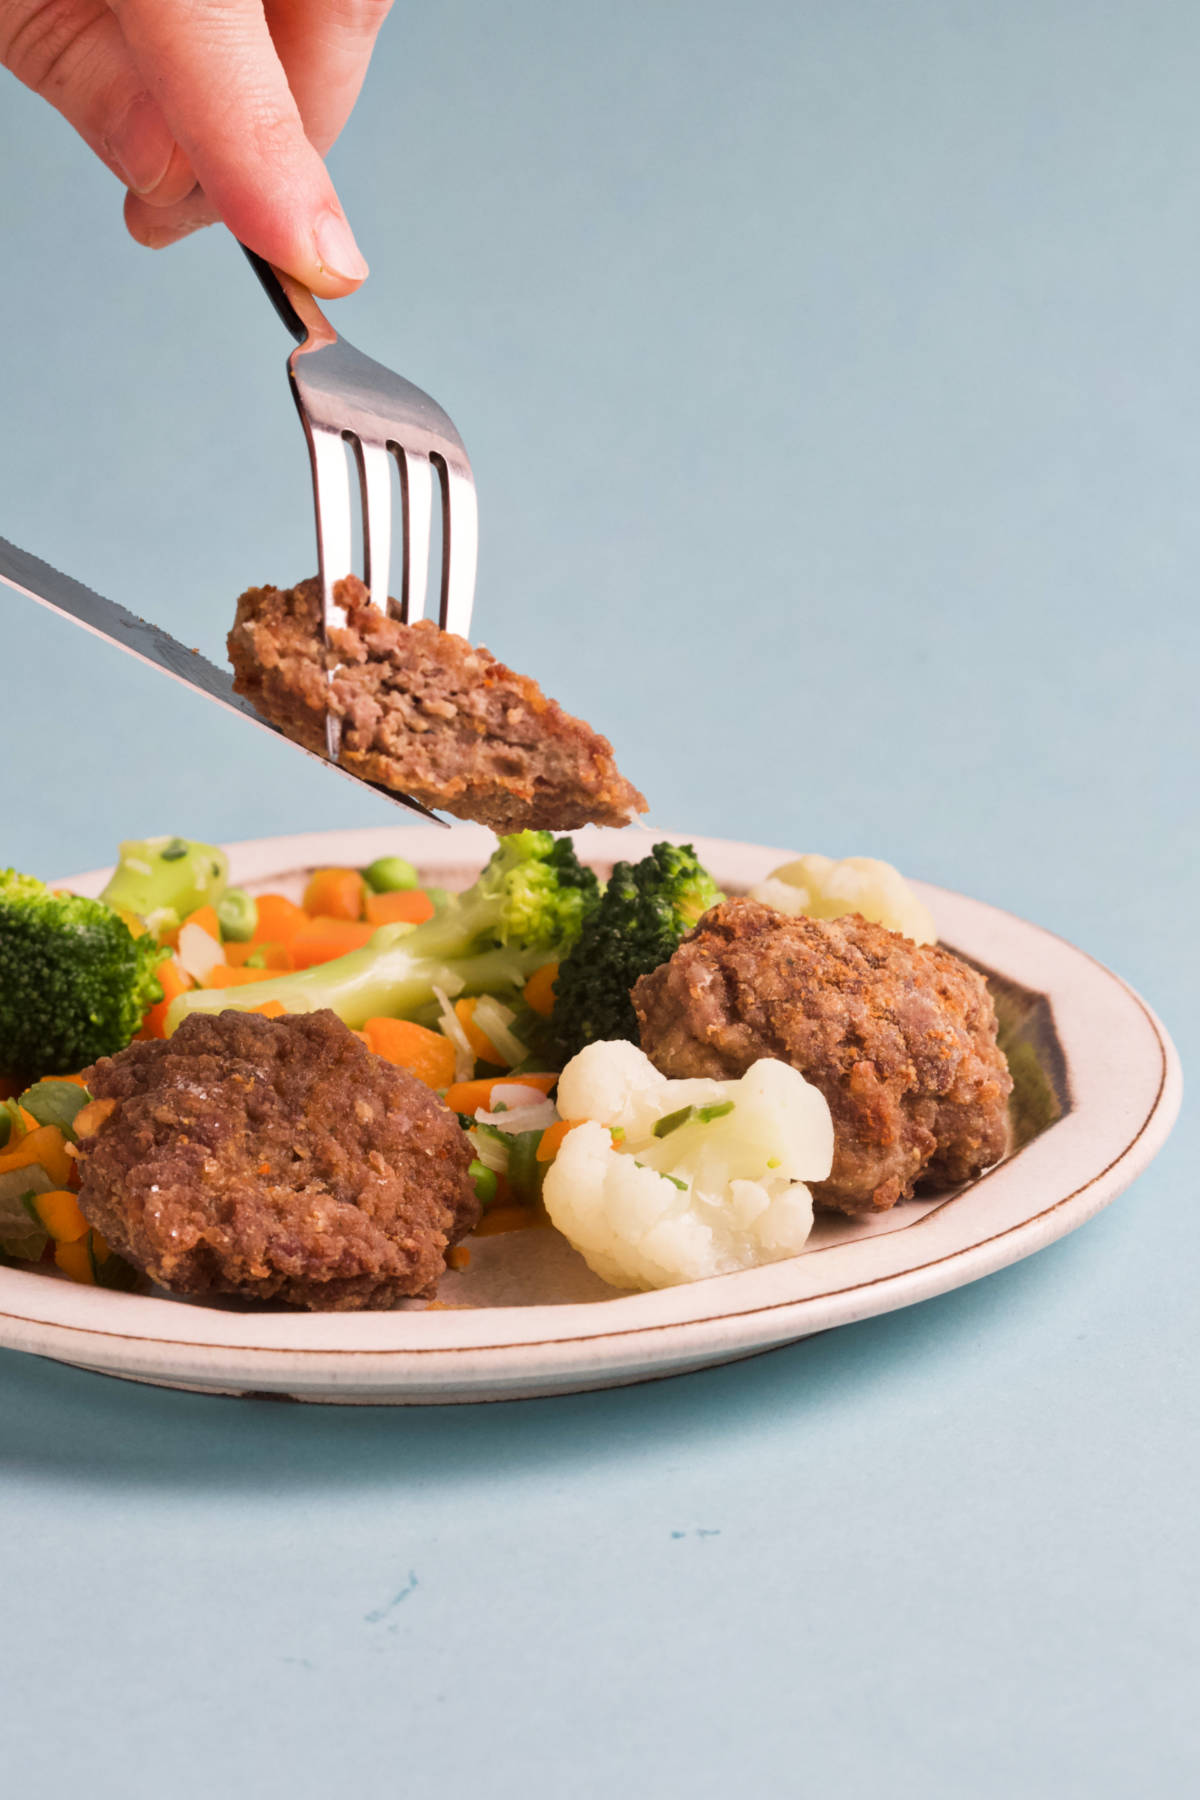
[{"x": 831, "y": 382}]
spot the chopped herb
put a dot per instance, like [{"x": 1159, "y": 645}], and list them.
[
  {"x": 703, "y": 1115},
  {"x": 618, "y": 1133},
  {"x": 672, "y": 1121},
  {"x": 773, "y": 1162},
  {"x": 718, "y": 1110},
  {"x": 673, "y": 1179},
  {"x": 175, "y": 851}
]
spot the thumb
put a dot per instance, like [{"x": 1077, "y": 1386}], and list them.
[{"x": 215, "y": 74}]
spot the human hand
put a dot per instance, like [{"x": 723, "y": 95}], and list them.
[{"x": 211, "y": 109}]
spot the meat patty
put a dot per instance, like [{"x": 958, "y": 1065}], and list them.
[
  {"x": 276, "y": 1158},
  {"x": 425, "y": 713},
  {"x": 901, "y": 1040}
]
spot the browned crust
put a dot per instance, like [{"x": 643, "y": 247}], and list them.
[
  {"x": 900, "y": 1039},
  {"x": 277, "y": 1159},
  {"x": 425, "y": 713}
]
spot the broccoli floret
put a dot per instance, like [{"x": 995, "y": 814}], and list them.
[
  {"x": 163, "y": 879},
  {"x": 526, "y": 908},
  {"x": 646, "y": 909},
  {"x": 74, "y": 981}
]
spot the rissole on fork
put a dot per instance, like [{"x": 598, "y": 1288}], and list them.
[{"x": 424, "y": 712}]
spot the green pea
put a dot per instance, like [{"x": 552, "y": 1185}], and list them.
[
  {"x": 237, "y": 915},
  {"x": 390, "y": 875}
]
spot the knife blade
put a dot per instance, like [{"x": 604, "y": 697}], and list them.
[{"x": 37, "y": 580}]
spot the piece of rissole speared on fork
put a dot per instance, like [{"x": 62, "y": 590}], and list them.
[{"x": 424, "y": 712}]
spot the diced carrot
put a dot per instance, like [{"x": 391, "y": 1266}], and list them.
[
  {"x": 539, "y": 989},
  {"x": 60, "y": 1215},
  {"x": 75, "y": 1080},
  {"x": 326, "y": 937},
  {"x": 410, "y": 906},
  {"x": 550, "y": 1142},
  {"x": 458, "y": 1257},
  {"x": 101, "y": 1249},
  {"x": 270, "y": 1009},
  {"x": 225, "y": 977},
  {"x": 91, "y": 1117},
  {"x": 204, "y": 916},
  {"x": 273, "y": 958},
  {"x": 335, "y": 894},
  {"x": 476, "y": 1096},
  {"x": 424, "y": 1053},
  {"x": 175, "y": 981},
  {"x": 481, "y": 1044},
  {"x": 75, "y": 1260},
  {"x": 46, "y": 1146},
  {"x": 279, "y": 919}
]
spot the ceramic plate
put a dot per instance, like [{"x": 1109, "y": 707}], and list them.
[{"x": 1099, "y": 1088}]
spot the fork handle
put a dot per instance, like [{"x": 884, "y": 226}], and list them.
[{"x": 292, "y": 301}]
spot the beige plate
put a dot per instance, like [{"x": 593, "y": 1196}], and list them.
[{"x": 528, "y": 1318}]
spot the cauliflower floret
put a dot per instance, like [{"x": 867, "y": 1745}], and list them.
[
  {"x": 670, "y": 1181},
  {"x": 816, "y": 887}
]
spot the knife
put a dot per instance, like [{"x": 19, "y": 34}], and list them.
[{"x": 37, "y": 580}]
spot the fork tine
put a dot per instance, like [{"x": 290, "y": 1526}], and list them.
[
  {"x": 460, "y": 546},
  {"x": 375, "y": 479},
  {"x": 416, "y": 481},
  {"x": 331, "y": 493}
]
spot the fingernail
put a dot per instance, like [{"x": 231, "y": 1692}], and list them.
[
  {"x": 141, "y": 145},
  {"x": 337, "y": 252},
  {"x": 161, "y": 237}
]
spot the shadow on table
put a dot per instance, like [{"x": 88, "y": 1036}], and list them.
[{"x": 97, "y": 1430}]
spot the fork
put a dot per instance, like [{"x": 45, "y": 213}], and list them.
[{"x": 346, "y": 398}]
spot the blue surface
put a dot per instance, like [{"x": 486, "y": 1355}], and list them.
[{"x": 830, "y": 378}]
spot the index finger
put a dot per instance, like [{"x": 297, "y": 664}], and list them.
[{"x": 214, "y": 71}]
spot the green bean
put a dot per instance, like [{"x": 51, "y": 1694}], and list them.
[
  {"x": 485, "y": 1182},
  {"x": 237, "y": 915}
]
